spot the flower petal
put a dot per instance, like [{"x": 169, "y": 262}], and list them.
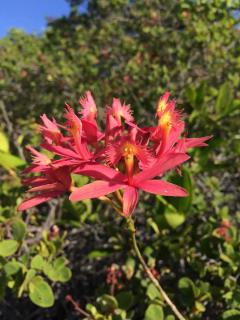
[
  {"x": 66, "y": 162},
  {"x": 94, "y": 190},
  {"x": 34, "y": 201},
  {"x": 162, "y": 188},
  {"x": 166, "y": 162},
  {"x": 55, "y": 186},
  {"x": 90, "y": 130},
  {"x": 130, "y": 200},
  {"x": 89, "y": 110},
  {"x": 35, "y": 181},
  {"x": 101, "y": 172},
  {"x": 59, "y": 150},
  {"x": 186, "y": 143}
]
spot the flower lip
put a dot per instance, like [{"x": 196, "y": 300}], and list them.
[
  {"x": 119, "y": 111},
  {"x": 129, "y": 149},
  {"x": 126, "y": 149},
  {"x": 89, "y": 110}
]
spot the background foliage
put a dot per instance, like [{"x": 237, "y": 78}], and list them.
[{"x": 134, "y": 50}]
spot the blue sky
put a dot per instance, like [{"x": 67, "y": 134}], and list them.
[{"x": 29, "y": 15}]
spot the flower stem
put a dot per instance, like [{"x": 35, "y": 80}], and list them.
[{"x": 132, "y": 230}]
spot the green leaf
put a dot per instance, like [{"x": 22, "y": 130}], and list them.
[
  {"x": 92, "y": 309},
  {"x": 9, "y": 161},
  {"x": 11, "y": 268},
  {"x": 38, "y": 262},
  {"x": 154, "y": 312},
  {"x": 196, "y": 95},
  {"x": 228, "y": 260},
  {"x": 153, "y": 225},
  {"x": 152, "y": 292},
  {"x": 4, "y": 143},
  {"x": 64, "y": 274},
  {"x": 57, "y": 271},
  {"x": 200, "y": 95},
  {"x": 41, "y": 293},
  {"x": 50, "y": 272},
  {"x": 125, "y": 299},
  {"x": 29, "y": 276},
  {"x": 188, "y": 290},
  {"x": 119, "y": 314},
  {"x": 19, "y": 229},
  {"x": 107, "y": 303},
  {"x": 199, "y": 307},
  {"x": 174, "y": 219},
  {"x": 8, "y": 247},
  {"x": 191, "y": 95},
  {"x": 129, "y": 268},
  {"x": 224, "y": 99},
  {"x": 183, "y": 204},
  {"x": 232, "y": 314},
  {"x": 96, "y": 254},
  {"x": 59, "y": 263}
]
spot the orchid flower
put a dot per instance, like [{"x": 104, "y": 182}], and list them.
[
  {"x": 52, "y": 183},
  {"x": 122, "y": 159},
  {"x": 110, "y": 180}
]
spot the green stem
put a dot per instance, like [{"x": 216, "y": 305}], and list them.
[{"x": 132, "y": 230}]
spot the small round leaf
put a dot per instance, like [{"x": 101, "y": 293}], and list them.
[
  {"x": 154, "y": 312},
  {"x": 8, "y": 247},
  {"x": 19, "y": 229},
  {"x": 41, "y": 293}
]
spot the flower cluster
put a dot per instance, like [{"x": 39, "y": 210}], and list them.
[{"x": 123, "y": 159}]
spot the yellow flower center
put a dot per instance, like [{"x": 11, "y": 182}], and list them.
[
  {"x": 165, "y": 122},
  {"x": 129, "y": 151},
  {"x": 161, "y": 106}
]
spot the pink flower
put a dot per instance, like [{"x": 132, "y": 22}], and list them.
[
  {"x": 110, "y": 180},
  {"x": 89, "y": 111},
  {"x": 114, "y": 119},
  {"x": 39, "y": 161},
  {"x": 52, "y": 183},
  {"x": 120, "y": 111},
  {"x": 122, "y": 159},
  {"x": 50, "y": 130}
]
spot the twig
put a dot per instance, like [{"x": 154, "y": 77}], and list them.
[
  {"x": 76, "y": 306},
  {"x": 46, "y": 226},
  {"x": 131, "y": 228}
]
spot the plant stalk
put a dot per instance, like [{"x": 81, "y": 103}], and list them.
[{"x": 132, "y": 230}]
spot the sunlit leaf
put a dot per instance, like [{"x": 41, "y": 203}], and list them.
[
  {"x": 8, "y": 247},
  {"x": 41, "y": 293},
  {"x": 154, "y": 312},
  {"x": 4, "y": 143}
]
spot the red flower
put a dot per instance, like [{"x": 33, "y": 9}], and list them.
[
  {"x": 89, "y": 111},
  {"x": 53, "y": 183},
  {"x": 50, "y": 130},
  {"x": 124, "y": 158},
  {"x": 110, "y": 180}
]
